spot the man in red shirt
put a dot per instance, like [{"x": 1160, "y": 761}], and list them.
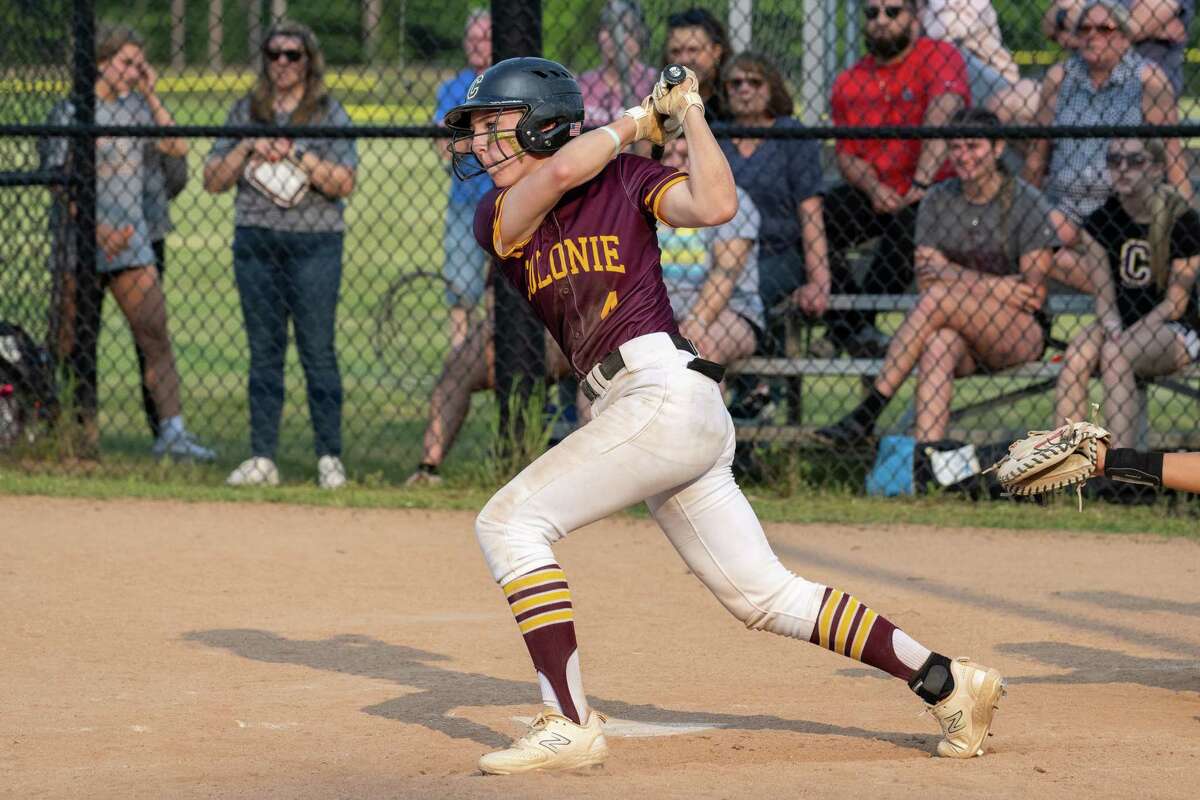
[{"x": 906, "y": 79}]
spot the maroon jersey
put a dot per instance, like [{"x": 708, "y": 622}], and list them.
[{"x": 591, "y": 270}]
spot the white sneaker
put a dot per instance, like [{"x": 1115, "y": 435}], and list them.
[
  {"x": 966, "y": 714},
  {"x": 183, "y": 445},
  {"x": 330, "y": 472},
  {"x": 256, "y": 471},
  {"x": 553, "y": 743}
]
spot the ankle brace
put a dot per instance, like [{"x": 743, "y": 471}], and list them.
[
  {"x": 933, "y": 682},
  {"x": 1133, "y": 466}
]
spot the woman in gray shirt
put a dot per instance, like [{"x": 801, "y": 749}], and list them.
[
  {"x": 125, "y": 95},
  {"x": 288, "y": 259},
  {"x": 984, "y": 247}
]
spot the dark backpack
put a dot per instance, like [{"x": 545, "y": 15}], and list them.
[{"x": 28, "y": 400}]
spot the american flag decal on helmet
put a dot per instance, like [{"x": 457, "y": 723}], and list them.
[{"x": 576, "y": 128}]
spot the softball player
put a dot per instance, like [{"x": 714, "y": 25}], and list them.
[{"x": 571, "y": 223}]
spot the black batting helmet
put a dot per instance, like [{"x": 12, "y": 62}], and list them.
[{"x": 545, "y": 89}]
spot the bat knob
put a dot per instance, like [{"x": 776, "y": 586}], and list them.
[{"x": 673, "y": 74}]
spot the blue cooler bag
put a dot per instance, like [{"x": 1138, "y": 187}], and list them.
[{"x": 892, "y": 474}]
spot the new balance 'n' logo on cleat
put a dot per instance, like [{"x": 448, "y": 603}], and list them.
[
  {"x": 966, "y": 715},
  {"x": 553, "y": 743}
]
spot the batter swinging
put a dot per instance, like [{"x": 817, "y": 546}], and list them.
[{"x": 572, "y": 223}]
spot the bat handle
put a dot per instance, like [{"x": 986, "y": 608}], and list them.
[{"x": 673, "y": 74}]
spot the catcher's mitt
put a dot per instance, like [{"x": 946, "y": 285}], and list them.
[
  {"x": 1046, "y": 461},
  {"x": 284, "y": 181}
]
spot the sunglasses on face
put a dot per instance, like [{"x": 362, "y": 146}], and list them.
[
  {"x": 737, "y": 83},
  {"x": 1118, "y": 160},
  {"x": 1087, "y": 29},
  {"x": 892, "y": 12},
  {"x": 292, "y": 56}
]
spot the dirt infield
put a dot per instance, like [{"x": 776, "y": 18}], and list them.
[{"x": 172, "y": 650}]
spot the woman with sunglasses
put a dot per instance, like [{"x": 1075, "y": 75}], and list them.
[
  {"x": 1145, "y": 261},
  {"x": 125, "y": 95},
  {"x": 983, "y": 249},
  {"x": 288, "y": 260},
  {"x": 783, "y": 178},
  {"x": 1103, "y": 83}
]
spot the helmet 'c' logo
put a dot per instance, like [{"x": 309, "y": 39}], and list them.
[{"x": 474, "y": 88}]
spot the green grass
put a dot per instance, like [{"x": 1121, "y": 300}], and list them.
[{"x": 199, "y": 484}]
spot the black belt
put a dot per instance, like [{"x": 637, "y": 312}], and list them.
[{"x": 614, "y": 362}]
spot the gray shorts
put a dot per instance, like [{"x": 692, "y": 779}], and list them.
[
  {"x": 985, "y": 80},
  {"x": 465, "y": 265}
]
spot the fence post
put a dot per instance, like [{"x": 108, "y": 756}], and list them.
[
  {"x": 517, "y": 337},
  {"x": 82, "y": 194},
  {"x": 814, "y": 35},
  {"x": 741, "y": 25}
]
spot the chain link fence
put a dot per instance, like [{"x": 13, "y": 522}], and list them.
[{"x": 230, "y": 230}]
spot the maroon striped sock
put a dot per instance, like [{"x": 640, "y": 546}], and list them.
[
  {"x": 845, "y": 625},
  {"x": 541, "y": 602}
]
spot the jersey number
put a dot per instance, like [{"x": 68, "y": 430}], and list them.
[
  {"x": 1135, "y": 263},
  {"x": 610, "y": 303}
]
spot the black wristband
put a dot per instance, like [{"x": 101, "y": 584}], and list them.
[
  {"x": 922, "y": 185},
  {"x": 1133, "y": 466}
]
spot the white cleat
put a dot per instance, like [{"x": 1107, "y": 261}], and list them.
[
  {"x": 331, "y": 474},
  {"x": 966, "y": 715},
  {"x": 553, "y": 743},
  {"x": 257, "y": 471}
]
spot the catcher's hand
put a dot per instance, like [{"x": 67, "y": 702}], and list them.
[
  {"x": 650, "y": 124},
  {"x": 1046, "y": 461}
]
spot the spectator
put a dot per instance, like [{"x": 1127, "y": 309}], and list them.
[
  {"x": 166, "y": 177},
  {"x": 464, "y": 266},
  {"x": 621, "y": 80},
  {"x": 1148, "y": 247},
  {"x": 125, "y": 95},
  {"x": 711, "y": 276},
  {"x": 783, "y": 178},
  {"x": 697, "y": 39},
  {"x": 905, "y": 79},
  {"x": 983, "y": 251},
  {"x": 288, "y": 261},
  {"x": 1104, "y": 83},
  {"x": 995, "y": 82},
  {"x": 1158, "y": 28}
]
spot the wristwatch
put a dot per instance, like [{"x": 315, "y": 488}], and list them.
[{"x": 922, "y": 185}]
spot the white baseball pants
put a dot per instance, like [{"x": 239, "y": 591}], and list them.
[{"x": 660, "y": 433}]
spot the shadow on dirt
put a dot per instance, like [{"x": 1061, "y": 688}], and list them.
[
  {"x": 1094, "y": 665},
  {"x": 441, "y": 690},
  {"x": 1118, "y": 601}
]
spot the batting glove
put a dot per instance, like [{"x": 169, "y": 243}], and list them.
[
  {"x": 650, "y": 124},
  {"x": 674, "y": 101}
]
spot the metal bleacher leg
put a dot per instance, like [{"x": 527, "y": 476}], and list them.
[
  {"x": 794, "y": 386},
  {"x": 1142, "y": 410}
]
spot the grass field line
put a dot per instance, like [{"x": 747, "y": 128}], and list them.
[{"x": 195, "y": 484}]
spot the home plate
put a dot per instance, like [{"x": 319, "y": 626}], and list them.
[{"x": 627, "y": 728}]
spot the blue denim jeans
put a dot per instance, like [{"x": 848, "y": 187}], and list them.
[{"x": 282, "y": 275}]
